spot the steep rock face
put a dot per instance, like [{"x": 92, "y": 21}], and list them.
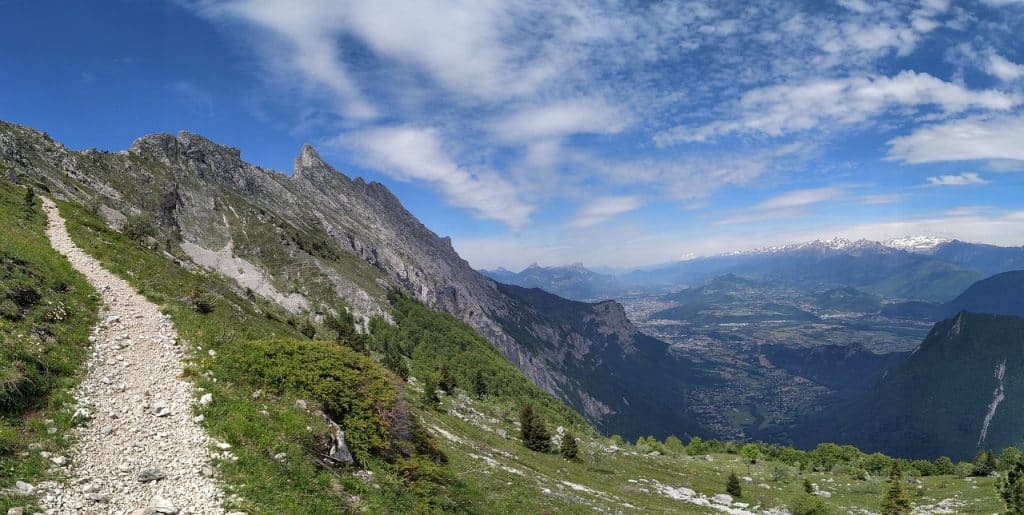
[
  {"x": 958, "y": 391},
  {"x": 325, "y": 237}
]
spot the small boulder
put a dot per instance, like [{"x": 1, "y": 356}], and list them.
[
  {"x": 163, "y": 506},
  {"x": 151, "y": 474}
]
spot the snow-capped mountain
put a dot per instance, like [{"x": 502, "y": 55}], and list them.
[{"x": 916, "y": 243}]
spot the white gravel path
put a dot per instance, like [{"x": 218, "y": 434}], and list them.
[{"x": 138, "y": 409}]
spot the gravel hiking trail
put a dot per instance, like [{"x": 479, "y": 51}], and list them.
[{"x": 138, "y": 449}]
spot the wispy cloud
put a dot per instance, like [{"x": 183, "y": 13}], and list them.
[
  {"x": 510, "y": 109},
  {"x": 782, "y": 109},
  {"x": 414, "y": 153},
  {"x": 964, "y": 179},
  {"x": 602, "y": 209},
  {"x": 962, "y": 140},
  {"x": 800, "y": 198}
]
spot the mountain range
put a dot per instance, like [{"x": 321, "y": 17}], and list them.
[{"x": 921, "y": 268}]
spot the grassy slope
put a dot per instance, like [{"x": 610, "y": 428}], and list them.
[
  {"x": 43, "y": 341},
  {"x": 486, "y": 472},
  {"x": 501, "y": 474},
  {"x": 244, "y": 335}
]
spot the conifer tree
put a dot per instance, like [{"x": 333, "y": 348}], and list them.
[
  {"x": 430, "y": 392},
  {"x": 733, "y": 485},
  {"x": 393, "y": 361},
  {"x": 984, "y": 463},
  {"x": 532, "y": 430},
  {"x": 479, "y": 384},
  {"x": 570, "y": 447},
  {"x": 808, "y": 487},
  {"x": 1011, "y": 489},
  {"x": 896, "y": 501},
  {"x": 447, "y": 382}
]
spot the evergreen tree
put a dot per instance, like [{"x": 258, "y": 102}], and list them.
[
  {"x": 733, "y": 485},
  {"x": 570, "y": 448},
  {"x": 30, "y": 197},
  {"x": 1011, "y": 489},
  {"x": 984, "y": 463},
  {"x": 430, "y": 392},
  {"x": 479, "y": 384},
  {"x": 532, "y": 430},
  {"x": 944, "y": 466},
  {"x": 394, "y": 362},
  {"x": 808, "y": 487},
  {"x": 896, "y": 501},
  {"x": 447, "y": 382}
]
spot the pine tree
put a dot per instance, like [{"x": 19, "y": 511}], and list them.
[
  {"x": 732, "y": 487},
  {"x": 430, "y": 392},
  {"x": 896, "y": 501},
  {"x": 808, "y": 487},
  {"x": 984, "y": 463},
  {"x": 479, "y": 384},
  {"x": 532, "y": 430},
  {"x": 447, "y": 382},
  {"x": 1011, "y": 489},
  {"x": 570, "y": 447},
  {"x": 394, "y": 362}
]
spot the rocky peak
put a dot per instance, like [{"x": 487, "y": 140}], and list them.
[
  {"x": 311, "y": 167},
  {"x": 188, "y": 146}
]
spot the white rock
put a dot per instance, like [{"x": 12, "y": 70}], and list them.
[
  {"x": 722, "y": 499},
  {"x": 206, "y": 399}
]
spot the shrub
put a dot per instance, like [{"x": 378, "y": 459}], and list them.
[
  {"x": 570, "y": 448},
  {"x": 430, "y": 398},
  {"x": 24, "y": 295},
  {"x": 984, "y": 463},
  {"x": 732, "y": 486},
  {"x": 779, "y": 472},
  {"x": 808, "y": 504},
  {"x": 307, "y": 329},
  {"x": 8, "y": 438},
  {"x": 944, "y": 466},
  {"x": 1011, "y": 489},
  {"x": 199, "y": 301},
  {"x": 479, "y": 384},
  {"x": 394, "y": 362},
  {"x": 354, "y": 391},
  {"x": 139, "y": 227}
]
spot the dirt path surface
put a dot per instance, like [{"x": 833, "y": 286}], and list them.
[{"x": 139, "y": 450}]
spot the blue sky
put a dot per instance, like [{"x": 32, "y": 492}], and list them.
[{"x": 612, "y": 133}]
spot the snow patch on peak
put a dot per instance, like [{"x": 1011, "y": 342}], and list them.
[{"x": 916, "y": 243}]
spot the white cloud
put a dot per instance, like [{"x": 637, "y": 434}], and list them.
[
  {"x": 602, "y": 209},
  {"x": 561, "y": 119},
  {"x": 414, "y": 153},
  {"x": 1003, "y": 69},
  {"x": 964, "y": 179},
  {"x": 997, "y": 138},
  {"x": 800, "y": 198},
  {"x": 787, "y": 108}
]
